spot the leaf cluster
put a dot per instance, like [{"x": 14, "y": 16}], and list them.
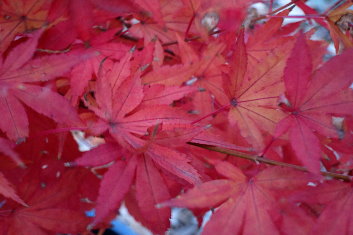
[{"x": 158, "y": 104}]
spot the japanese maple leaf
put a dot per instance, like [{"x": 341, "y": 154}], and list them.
[
  {"x": 20, "y": 16},
  {"x": 118, "y": 96},
  {"x": 17, "y": 72},
  {"x": 312, "y": 100},
  {"x": 49, "y": 207},
  {"x": 247, "y": 205},
  {"x": 337, "y": 217},
  {"x": 119, "y": 177},
  {"x": 335, "y": 200},
  {"x": 150, "y": 190},
  {"x": 251, "y": 93},
  {"x": 150, "y": 185}
]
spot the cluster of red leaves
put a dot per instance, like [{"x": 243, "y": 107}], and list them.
[{"x": 159, "y": 82}]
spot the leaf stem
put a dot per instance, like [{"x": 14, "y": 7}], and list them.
[
  {"x": 189, "y": 25},
  {"x": 268, "y": 161}
]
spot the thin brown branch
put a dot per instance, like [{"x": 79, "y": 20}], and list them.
[
  {"x": 268, "y": 161},
  {"x": 275, "y": 11}
]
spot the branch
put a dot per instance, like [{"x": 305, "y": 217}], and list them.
[
  {"x": 275, "y": 11},
  {"x": 269, "y": 161}
]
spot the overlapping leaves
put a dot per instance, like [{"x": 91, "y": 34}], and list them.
[{"x": 263, "y": 90}]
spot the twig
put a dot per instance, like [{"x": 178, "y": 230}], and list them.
[
  {"x": 300, "y": 16},
  {"x": 268, "y": 161},
  {"x": 333, "y": 6},
  {"x": 275, "y": 11}
]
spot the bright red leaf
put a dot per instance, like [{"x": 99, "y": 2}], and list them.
[
  {"x": 20, "y": 16},
  {"x": 251, "y": 93},
  {"x": 150, "y": 87},
  {"x": 248, "y": 204},
  {"x": 47, "y": 209},
  {"x": 313, "y": 99},
  {"x": 128, "y": 92},
  {"x": 115, "y": 184},
  {"x": 17, "y": 72}
]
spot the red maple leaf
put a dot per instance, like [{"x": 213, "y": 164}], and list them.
[
  {"x": 313, "y": 98},
  {"x": 251, "y": 92},
  {"x": 331, "y": 201},
  {"x": 200, "y": 76},
  {"x": 118, "y": 98},
  {"x": 247, "y": 204},
  {"x": 149, "y": 158},
  {"x": 150, "y": 190},
  {"x": 48, "y": 207},
  {"x": 19, "y": 76},
  {"x": 337, "y": 218},
  {"x": 20, "y": 16}
]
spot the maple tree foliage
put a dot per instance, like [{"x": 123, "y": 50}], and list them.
[{"x": 189, "y": 103}]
